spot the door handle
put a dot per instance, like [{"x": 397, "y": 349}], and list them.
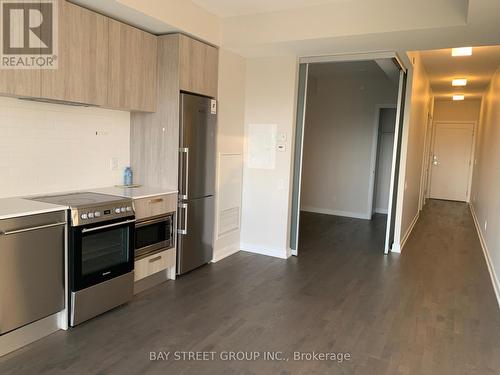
[
  {"x": 183, "y": 208},
  {"x": 185, "y": 173},
  {"x": 435, "y": 160},
  {"x": 156, "y": 200},
  {"x": 155, "y": 259}
]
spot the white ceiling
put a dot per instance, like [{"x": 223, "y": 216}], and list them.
[
  {"x": 478, "y": 69},
  {"x": 233, "y": 8}
]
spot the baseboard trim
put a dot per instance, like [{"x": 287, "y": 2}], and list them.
[
  {"x": 28, "y": 334},
  {"x": 399, "y": 248},
  {"x": 256, "y": 249},
  {"x": 225, "y": 252},
  {"x": 382, "y": 211},
  {"x": 327, "y": 211},
  {"x": 486, "y": 254}
]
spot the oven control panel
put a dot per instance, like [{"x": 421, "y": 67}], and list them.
[{"x": 97, "y": 214}]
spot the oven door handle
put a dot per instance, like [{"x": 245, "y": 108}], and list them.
[{"x": 86, "y": 230}]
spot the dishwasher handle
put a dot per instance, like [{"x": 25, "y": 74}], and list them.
[{"x": 30, "y": 229}]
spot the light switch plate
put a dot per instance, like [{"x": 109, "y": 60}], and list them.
[{"x": 114, "y": 164}]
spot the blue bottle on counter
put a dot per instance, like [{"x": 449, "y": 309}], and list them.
[{"x": 127, "y": 176}]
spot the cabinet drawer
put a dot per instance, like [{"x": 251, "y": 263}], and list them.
[
  {"x": 154, "y": 206},
  {"x": 154, "y": 263}
]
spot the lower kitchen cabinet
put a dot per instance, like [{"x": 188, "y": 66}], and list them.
[{"x": 164, "y": 260}]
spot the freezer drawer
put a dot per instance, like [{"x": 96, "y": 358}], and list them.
[
  {"x": 31, "y": 269},
  {"x": 195, "y": 233}
]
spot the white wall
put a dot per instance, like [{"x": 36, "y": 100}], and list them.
[
  {"x": 335, "y": 21},
  {"x": 449, "y": 110},
  {"x": 418, "y": 107},
  {"x": 486, "y": 179},
  {"x": 340, "y": 128},
  {"x": 230, "y": 133},
  {"x": 270, "y": 98},
  {"x": 45, "y": 148}
]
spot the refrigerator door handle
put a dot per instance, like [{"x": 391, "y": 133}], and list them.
[
  {"x": 183, "y": 208},
  {"x": 185, "y": 173}
]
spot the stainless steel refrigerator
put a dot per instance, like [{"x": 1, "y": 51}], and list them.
[{"x": 195, "y": 218}]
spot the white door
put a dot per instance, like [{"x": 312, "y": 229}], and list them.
[{"x": 451, "y": 160}]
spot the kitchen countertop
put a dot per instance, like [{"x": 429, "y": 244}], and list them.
[
  {"x": 17, "y": 207},
  {"x": 134, "y": 193}
]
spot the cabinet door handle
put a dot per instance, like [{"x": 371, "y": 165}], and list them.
[
  {"x": 156, "y": 200},
  {"x": 155, "y": 259}
]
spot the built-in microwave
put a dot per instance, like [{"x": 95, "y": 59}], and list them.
[{"x": 154, "y": 234}]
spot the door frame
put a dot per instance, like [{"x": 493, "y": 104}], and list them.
[
  {"x": 374, "y": 158},
  {"x": 404, "y": 91},
  {"x": 472, "y": 153},
  {"x": 424, "y": 178}
]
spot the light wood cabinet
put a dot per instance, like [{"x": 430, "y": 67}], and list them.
[
  {"x": 198, "y": 67},
  {"x": 82, "y": 71},
  {"x": 100, "y": 62},
  {"x": 154, "y": 206},
  {"x": 184, "y": 64},
  {"x": 154, "y": 137},
  {"x": 20, "y": 82},
  {"x": 164, "y": 260},
  {"x": 132, "y": 68}
]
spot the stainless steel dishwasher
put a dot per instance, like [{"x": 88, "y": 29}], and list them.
[{"x": 31, "y": 268}]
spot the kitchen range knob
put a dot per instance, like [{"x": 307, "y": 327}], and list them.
[
  {"x": 129, "y": 209},
  {"x": 91, "y": 215},
  {"x": 123, "y": 209},
  {"x": 84, "y": 216},
  {"x": 117, "y": 210},
  {"x": 97, "y": 214}
]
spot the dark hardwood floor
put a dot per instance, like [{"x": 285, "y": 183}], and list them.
[{"x": 431, "y": 310}]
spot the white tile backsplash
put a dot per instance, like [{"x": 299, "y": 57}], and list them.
[{"x": 45, "y": 148}]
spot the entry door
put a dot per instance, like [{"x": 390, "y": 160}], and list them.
[{"x": 451, "y": 160}]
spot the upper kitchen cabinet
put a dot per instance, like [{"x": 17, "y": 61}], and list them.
[
  {"x": 82, "y": 72},
  {"x": 132, "y": 68},
  {"x": 198, "y": 67},
  {"x": 20, "y": 82}
]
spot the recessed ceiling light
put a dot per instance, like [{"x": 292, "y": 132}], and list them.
[
  {"x": 459, "y": 82},
  {"x": 458, "y": 97},
  {"x": 462, "y": 51}
]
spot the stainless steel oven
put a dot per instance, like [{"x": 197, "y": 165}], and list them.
[
  {"x": 154, "y": 234},
  {"x": 101, "y": 252}
]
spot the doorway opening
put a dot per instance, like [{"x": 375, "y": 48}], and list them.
[
  {"x": 348, "y": 144},
  {"x": 386, "y": 119}
]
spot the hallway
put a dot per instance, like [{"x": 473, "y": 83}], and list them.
[{"x": 431, "y": 310}]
